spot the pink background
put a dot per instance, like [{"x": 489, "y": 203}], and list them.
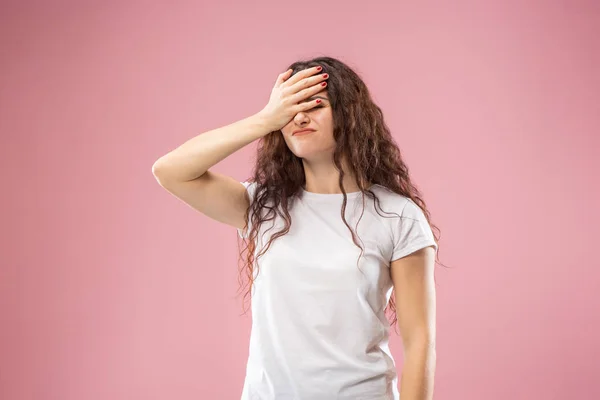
[{"x": 113, "y": 289}]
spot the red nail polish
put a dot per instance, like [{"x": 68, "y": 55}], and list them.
[{"x": 319, "y": 68}]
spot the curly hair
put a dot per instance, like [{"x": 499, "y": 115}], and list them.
[{"x": 362, "y": 138}]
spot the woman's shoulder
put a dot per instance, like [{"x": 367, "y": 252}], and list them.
[{"x": 389, "y": 196}]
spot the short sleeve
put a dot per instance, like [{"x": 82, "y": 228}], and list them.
[
  {"x": 250, "y": 188},
  {"x": 411, "y": 232}
]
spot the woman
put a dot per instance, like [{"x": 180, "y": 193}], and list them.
[{"x": 327, "y": 166}]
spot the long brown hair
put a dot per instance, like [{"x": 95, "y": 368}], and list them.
[{"x": 362, "y": 139}]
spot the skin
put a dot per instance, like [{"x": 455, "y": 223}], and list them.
[
  {"x": 414, "y": 290},
  {"x": 316, "y": 149}
]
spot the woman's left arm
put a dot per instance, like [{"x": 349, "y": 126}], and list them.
[{"x": 414, "y": 290}]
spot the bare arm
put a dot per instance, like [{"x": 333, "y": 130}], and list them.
[
  {"x": 414, "y": 288},
  {"x": 184, "y": 172},
  {"x": 194, "y": 157}
]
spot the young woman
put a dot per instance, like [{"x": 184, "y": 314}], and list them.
[{"x": 327, "y": 168}]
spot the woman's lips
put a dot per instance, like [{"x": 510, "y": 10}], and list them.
[{"x": 303, "y": 132}]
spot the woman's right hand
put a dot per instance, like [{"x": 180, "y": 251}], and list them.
[{"x": 287, "y": 95}]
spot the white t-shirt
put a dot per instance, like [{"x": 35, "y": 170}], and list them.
[{"x": 319, "y": 331}]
